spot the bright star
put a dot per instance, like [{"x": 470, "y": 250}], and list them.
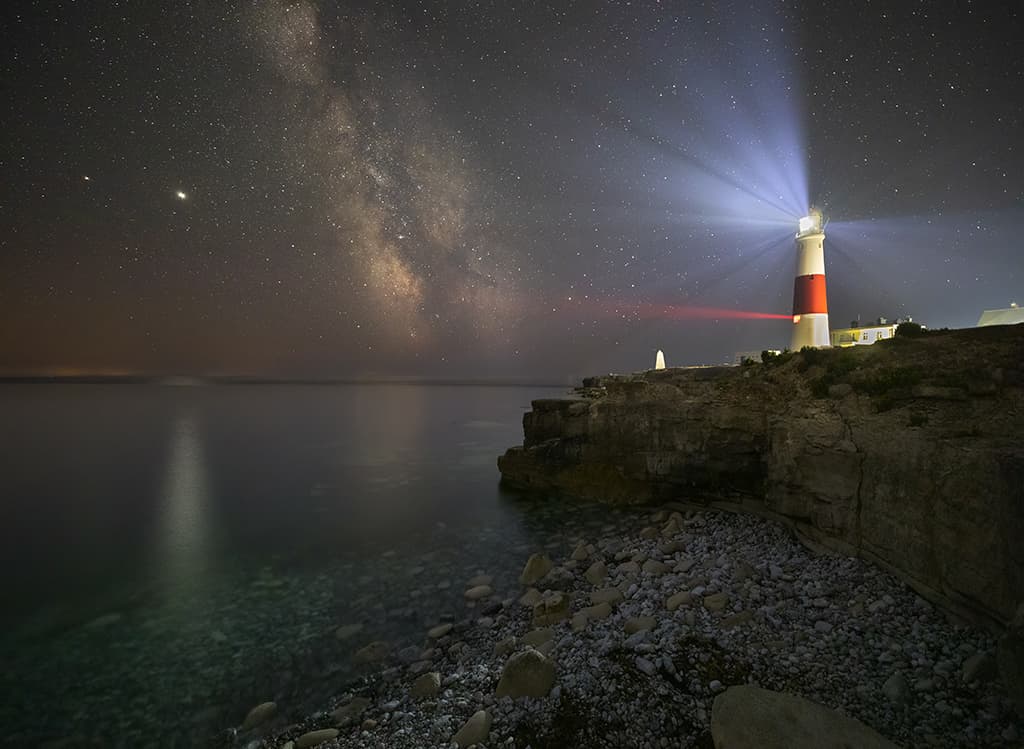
[{"x": 181, "y": 195}]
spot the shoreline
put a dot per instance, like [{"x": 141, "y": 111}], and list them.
[{"x": 694, "y": 603}]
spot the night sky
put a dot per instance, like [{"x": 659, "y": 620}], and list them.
[{"x": 492, "y": 189}]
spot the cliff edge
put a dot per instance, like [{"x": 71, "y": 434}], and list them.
[{"x": 909, "y": 453}]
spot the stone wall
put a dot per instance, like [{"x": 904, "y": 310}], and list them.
[{"x": 909, "y": 452}]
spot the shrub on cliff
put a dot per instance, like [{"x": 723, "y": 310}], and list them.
[
  {"x": 775, "y": 359},
  {"x": 909, "y": 330}
]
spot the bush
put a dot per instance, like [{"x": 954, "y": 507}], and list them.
[
  {"x": 770, "y": 357},
  {"x": 909, "y": 330}
]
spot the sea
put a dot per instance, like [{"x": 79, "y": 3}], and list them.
[{"x": 174, "y": 555}]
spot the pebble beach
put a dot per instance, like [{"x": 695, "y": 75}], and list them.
[{"x": 624, "y": 633}]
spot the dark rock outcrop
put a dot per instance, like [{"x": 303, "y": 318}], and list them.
[
  {"x": 909, "y": 452},
  {"x": 746, "y": 717}
]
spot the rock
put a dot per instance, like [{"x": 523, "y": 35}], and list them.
[
  {"x": 375, "y": 651},
  {"x": 559, "y": 578},
  {"x": 580, "y": 553},
  {"x": 606, "y": 595},
  {"x": 897, "y": 689},
  {"x": 530, "y": 598},
  {"x": 480, "y": 580},
  {"x": 1010, "y": 659},
  {"x": 980, "y": 667},
  {"x": 671, "y": 547},
  {"x": 639, "y": 624},
  {"x": 654, "y": 567},
  {"x": 646, "y": 666},
  {"x": 747, "y": 717},
  {"x": 684, "y": 565},
  {"x": 579, "y": 621},
  {"x": 596, "y": 573},
  {"x": 537, "y": 637},
  {"x": 419, "y": 667},
  {"x": 478, "y": 592},
  {"x": 649, "y": 532},
  {"x": 258, "y": 714},
  {"x": 675, "y": 601},
  {"x": 628, "y": 568},
  {"x": 552, "y": 608},
  {"x": 840, "y": 390},
  {"x": 744, "y": 571},
  {"x": 288, "y": 745},
  {"x": 475, "y": 730},
  {"x": 736, "y": 619},
  {"x": 536, "y": 567},
  {"x": 350, "y": 711},
  {"x": 526, "y": 674},
  {"x": 716, "y": 601},
  {"x": 312, "y": 738},
  {"x": 436, "y": 633},
  {"x": 505, "y": 646},
  {"x": 346, "y": 631},
  {"x": 822, "y": 626},
  {"x": 368, "y": 725},
  {"x": 598, "y": 611},
  {"x": 426, "y": 686}
]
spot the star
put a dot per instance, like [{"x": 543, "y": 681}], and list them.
[{"x": 181, "y": 195}]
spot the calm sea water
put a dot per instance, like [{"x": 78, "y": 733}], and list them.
[{"x": 174, "y": 555}]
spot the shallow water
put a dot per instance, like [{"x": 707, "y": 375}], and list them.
[{"x": 175, "y": 555}]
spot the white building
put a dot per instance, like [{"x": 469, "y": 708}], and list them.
[
  {"x": 1009, "y": 316},
  {"x": 865, "y": 334}
]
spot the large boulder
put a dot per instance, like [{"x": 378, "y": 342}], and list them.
[
  {"x": 746, "y": 717},
  {"x": 536, "y": 567},
  {"x": 552, "y": 608},
  {"x": 475, "y": 730},
  {"x": 426, "y": 686},
  {"x": 259, "y": 714},
  {"x": 526, "y": 674},
  {"x": 1010, "y": 658}
]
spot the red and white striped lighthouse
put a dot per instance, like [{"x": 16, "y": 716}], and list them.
[{"x": 810, "y": 306}]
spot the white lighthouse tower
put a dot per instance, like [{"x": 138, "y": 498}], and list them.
[{"x": 810, "y": 306}]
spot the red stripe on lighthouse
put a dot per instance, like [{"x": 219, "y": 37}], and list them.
[{"x": 809, "y": 295}]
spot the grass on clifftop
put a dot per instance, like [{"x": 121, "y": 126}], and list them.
[{"x": 971, "y": 360}]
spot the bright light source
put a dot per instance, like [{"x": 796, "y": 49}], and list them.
[
  {"x": 806, "y": 224},
  {"x": 796, "y": 319}
]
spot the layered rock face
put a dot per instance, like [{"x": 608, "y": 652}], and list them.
[{"x": 909, "y": 452}]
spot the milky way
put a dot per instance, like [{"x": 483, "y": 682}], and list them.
[{"x": 496, "y": 189}]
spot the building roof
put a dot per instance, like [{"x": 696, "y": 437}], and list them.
[{"x": 1008, "y": 316}]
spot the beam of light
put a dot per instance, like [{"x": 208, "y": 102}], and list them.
[
  {"x": 184, "y": 522},
  {"x": 629, "y": 310},
  {"x": 743, "y": 153},
  {"x": 648, "y": 311},
  {"x": 951, "y": 265}
]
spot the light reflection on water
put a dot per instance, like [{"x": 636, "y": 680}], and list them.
[
  {"x": 176, "y": 555},
  {"x": 184, "y": 515}
]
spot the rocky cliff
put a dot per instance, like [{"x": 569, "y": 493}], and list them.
[{"x": 909, "y": 452}]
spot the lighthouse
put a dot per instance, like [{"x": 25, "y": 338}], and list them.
[{"x": 810, "y": 307}]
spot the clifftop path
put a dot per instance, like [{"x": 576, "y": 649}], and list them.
[{"x": 909, "y": 452}]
